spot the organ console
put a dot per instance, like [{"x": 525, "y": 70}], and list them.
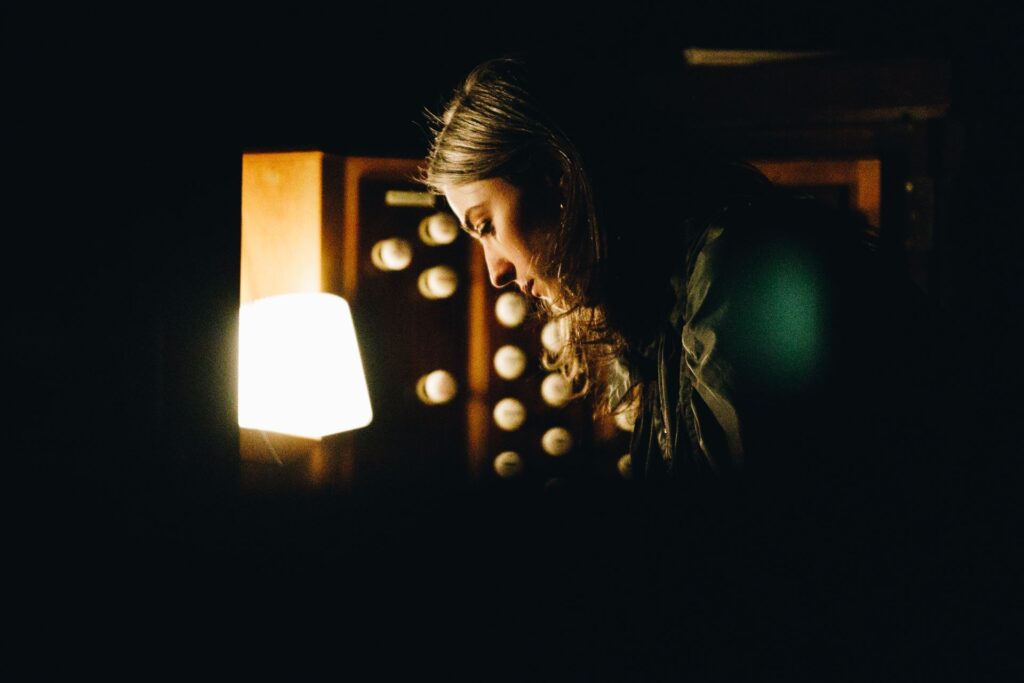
[{"x": 454, "y": 366}]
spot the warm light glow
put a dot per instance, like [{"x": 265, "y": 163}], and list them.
[{"x": 299, "y": 369}]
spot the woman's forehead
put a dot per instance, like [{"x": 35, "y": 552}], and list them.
[{"x": 465, "y": 196}]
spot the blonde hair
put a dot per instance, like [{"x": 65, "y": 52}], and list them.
[
  {"x": 508, "y": 119},
  {"x": 497, "y": 125}
]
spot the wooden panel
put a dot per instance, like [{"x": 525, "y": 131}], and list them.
[
  {"x": 403, "y": 335},
  {"x": 292, "y": 222},
  {"x": 310, "y": 222},
  {"x": 478, "y": 367},
  {"x": 282, "y": 222},
  {"x": 825, "y": 91},
  {"x": 597, "y": 446},
  {"x": 860, "y": 178}
]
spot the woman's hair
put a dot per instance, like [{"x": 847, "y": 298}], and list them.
[{"x": 622, "y": 178}]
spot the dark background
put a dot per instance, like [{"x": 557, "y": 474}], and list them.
[{"x": 122, "y": 139}]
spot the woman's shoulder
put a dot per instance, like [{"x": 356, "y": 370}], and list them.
[{"x": 771, "y": 232}]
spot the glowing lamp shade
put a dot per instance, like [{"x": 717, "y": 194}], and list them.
[{"x": 299, "y": 370}]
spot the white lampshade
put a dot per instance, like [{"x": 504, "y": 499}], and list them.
[{"x": 299, "y": 370}]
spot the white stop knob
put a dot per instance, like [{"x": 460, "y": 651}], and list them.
[
  {"x": 553, "y": 336},
  {"x": 510, "y": 308},
  {"x": 508, "y": 464},
  {"x": 439, "y": 229},
  {"x": 509, "y": 414},
  {"x": 556, "y": 441},
  {"x": 625, "y": 466},
  {"x": 438, "y": 282},
  {"x": 555, "y": 390},
  {"x": 437, "y": 387},
  {"x": 391, "y": 254},
  {"x": 509, "y": 361}
]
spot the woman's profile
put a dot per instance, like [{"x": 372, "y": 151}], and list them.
[
  {"x": 793, "y": 397},
  {"x": 756, "y": 333}
]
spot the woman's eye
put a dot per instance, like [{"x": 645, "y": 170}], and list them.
[{"x": 484, "y": 228}]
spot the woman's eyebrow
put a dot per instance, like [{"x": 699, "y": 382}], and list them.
[{"x": 465, "y": 219}]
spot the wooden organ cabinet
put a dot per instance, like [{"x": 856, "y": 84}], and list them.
[{"x": 453, "y": 366}]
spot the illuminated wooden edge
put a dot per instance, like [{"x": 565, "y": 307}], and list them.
[{"x": 863, "y": 176}]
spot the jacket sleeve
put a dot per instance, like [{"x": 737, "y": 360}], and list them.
[{"x": 753, "y": 340}]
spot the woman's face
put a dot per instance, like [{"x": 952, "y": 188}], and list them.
[{"x": 510, "y": 224}]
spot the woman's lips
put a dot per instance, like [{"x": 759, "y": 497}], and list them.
[{"x": 530, "y": 290}]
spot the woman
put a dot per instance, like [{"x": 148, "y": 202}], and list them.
[
  {"x": 784, "y": 377},
  {"x": 755, "y": 333}
]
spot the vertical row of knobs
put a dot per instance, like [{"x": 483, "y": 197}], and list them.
[
  {"x": 510, "y": 362},
  {"x": 437, "y": 282},
  {"x": 396, "y": 253}
]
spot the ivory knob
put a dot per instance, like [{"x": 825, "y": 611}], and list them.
[
  {"x": 439, "y": 282},
  {"x": 625, "y": 466},
  {"x": 391, "y": 254},
  {"x": 509, "y": 362},
  {"x": 552, "y": 335},
  {"x": 439, "y": 229},
  {"x": 556, "y": 441},
  {"x": 555, "y": 390},
  {"x": 510, "y": 309},
  {"x": 508, "y": 464},
  {"x": 437, "y": 387},
  {"x": 509, "y": 414}
]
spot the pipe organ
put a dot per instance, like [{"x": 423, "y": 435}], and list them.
[{"x": 454, "y": 369}]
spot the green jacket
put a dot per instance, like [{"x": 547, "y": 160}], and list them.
[{"x": 793, "y": 354}]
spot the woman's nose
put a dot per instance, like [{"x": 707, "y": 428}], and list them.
[{"x": 501, "y": 271}]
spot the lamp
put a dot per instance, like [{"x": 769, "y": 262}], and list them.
[{"x": 299, "y": 368}]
